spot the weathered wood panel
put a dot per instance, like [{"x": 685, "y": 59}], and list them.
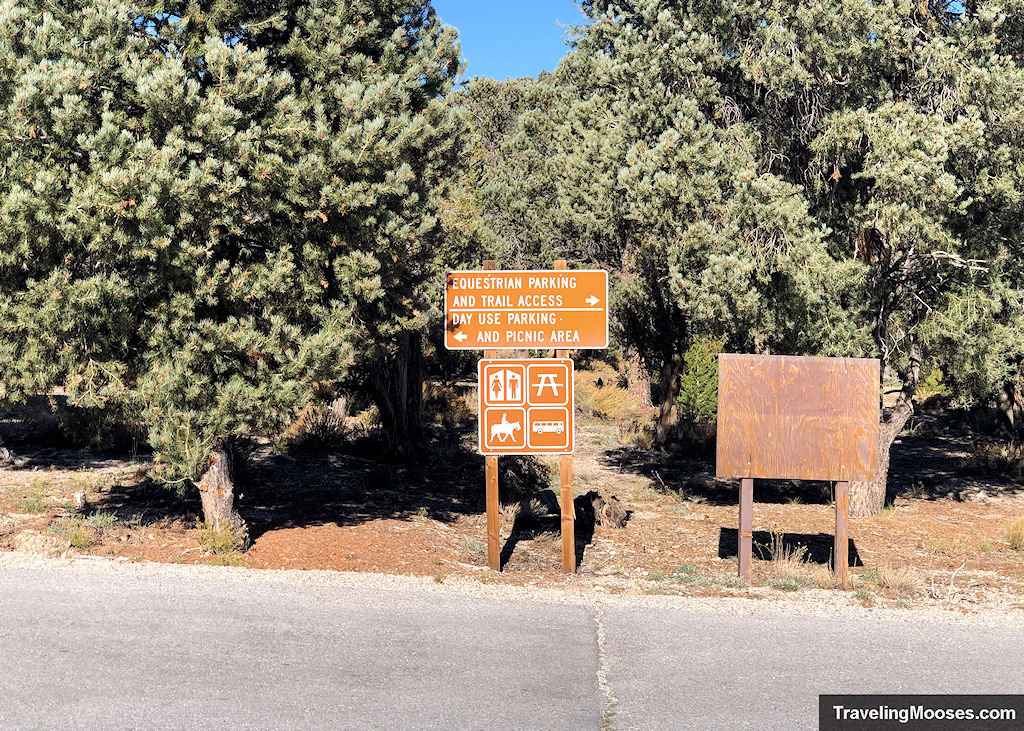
[{"x": 789, "y": 417}]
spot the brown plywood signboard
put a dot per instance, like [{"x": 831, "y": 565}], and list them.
[{"x": 797, "y": 418}]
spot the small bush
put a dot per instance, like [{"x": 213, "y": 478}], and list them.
[
  {"x": 864, "y": 595},
  {"x": 732, "y": 582},
  {"x": 101, "y": 520},
  {"x": 33, "y": 502},
  {"x": 932, "y": 391},
  {"x": 218, "y": 541},
  {"x": 318, "y": 429},
  {"x": 612, "y": 402},
  {"x": 788, "y": 583},
  {"x": 1004, "y": 460},
  {"x": 783, "y": 556},
  {"x": 82, "y": 533},
  {"x": 639, "y": 432},
  {"x": 83, "y": 536},
  {"x": 446, "y": 408},
  {"x": 889, "y": 512},
  {"x": 787, "y": 564},
  {"x": 235, "y": 558},
  {"x": 599, "y": 392},
  {"x": 698, "y": 382},
  {"x": 690, "y": 575},
  {"x": 1014, "y": 535},
  {"x": 102, "y": 429}
]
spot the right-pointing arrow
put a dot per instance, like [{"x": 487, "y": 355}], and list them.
[{"x": 592, "y": 300}]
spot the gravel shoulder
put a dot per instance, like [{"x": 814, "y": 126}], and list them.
[{"x": 812, "y": 603}]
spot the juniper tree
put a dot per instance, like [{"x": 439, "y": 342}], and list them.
[
  {"x": 661, "y": 171},
  {"x": 902, "y": 122},
  {"x": 893, "y": 129},
  {"x": 211, "y": 210},
  {"x": 509, "y": 168}
]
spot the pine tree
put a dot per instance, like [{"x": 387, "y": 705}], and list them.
[{"x": 211, "y": 211}]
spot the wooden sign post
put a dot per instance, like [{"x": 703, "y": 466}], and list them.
[
  {"x": 526, "y": 406},
  {"x": 566, "y": 498},
  {"x": 493, "y": 524},
  {"x": 795, "y": 418}
]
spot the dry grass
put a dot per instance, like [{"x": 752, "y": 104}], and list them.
[
  {"x": 612, "y": 402},
  {"x": 903, "y": 581},
  {"x": 787, "y": 568},
  {"x": 1014, "y": 535},
  {"x": 597, "y": 393},
  {"x": 316, "y": 429},
  {"x": 785, "y": 560},
  {"x": 446, "y": 408},
  {"x": 639, "y": 431},
  {"x": 1005, "y": 460},
  {"x": 943, "y": 546}
]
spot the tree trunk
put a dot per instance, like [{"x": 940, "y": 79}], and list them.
[
  {"x": 669, "y": 391},
  {"x": 867, "y": 498},
  {"x": 638, "y": 381},
  {"x": 1007, "y": 404},
  {"x": 397, "y": 388},
  {"x": 217, "y": 490}
]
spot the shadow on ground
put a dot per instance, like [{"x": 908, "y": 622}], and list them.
[
  {"x": 527, "y": 527},
  {"x": 819, "y": 546}
]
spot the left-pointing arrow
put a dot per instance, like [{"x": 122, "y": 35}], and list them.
[{"x": 461, "y": 337}]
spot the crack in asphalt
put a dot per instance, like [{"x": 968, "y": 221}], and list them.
[{"x": 608, "y": 713}]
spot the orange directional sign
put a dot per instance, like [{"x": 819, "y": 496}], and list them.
[
  {"x": 565, "y": 309},
  {"x": 526, "y": 406}
]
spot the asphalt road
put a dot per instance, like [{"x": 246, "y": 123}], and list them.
[{"x": 183, "y": 648}]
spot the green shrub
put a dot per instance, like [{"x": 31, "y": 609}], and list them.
[
  {"x": 33, "y": 502},
  {"x": 932, "y": 390},
  {"x": 83, "y": 533},
  {"x": 219, "y": 541},
  {"x": 788, "y": 583},
  {"x": 698, "y": 382}
]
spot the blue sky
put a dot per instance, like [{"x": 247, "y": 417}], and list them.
[{"x": 512, "y": 38}]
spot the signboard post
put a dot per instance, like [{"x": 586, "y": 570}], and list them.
[
  {"x": 491, "y": 461},
  {"x": 526, "y": 406},
  {"x": 787, "y": 417}
]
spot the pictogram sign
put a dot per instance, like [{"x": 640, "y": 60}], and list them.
[
  {"x": 504, "y": 310},
  {"x": 526, "y": 406}
]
